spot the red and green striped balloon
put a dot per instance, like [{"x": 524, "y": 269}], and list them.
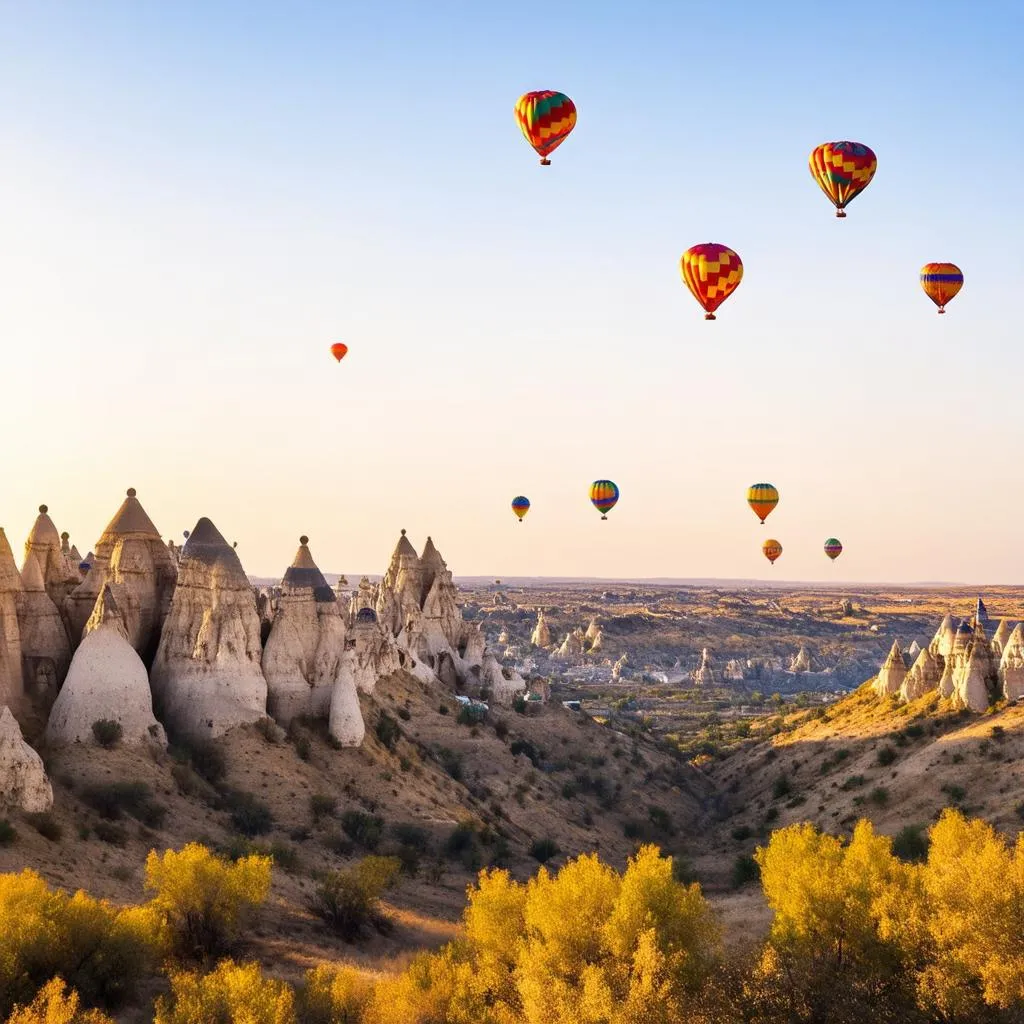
[
  {"x": 604, "y": 494},
  {"x": 833, "y": 548}
]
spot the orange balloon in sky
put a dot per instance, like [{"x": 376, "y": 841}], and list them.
[{"x": 338, "y": 350}]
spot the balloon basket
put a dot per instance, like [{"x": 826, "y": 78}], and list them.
[
  {"x": 840, "y": 213},
  {"x": 603, "y": 518},
  {"x": 941, "y": 311},
  {"x": 710, "y": 316},
  {"x": 545, "y": 162}
]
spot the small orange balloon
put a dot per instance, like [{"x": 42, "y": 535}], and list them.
[{"x": 339, "y": 351}]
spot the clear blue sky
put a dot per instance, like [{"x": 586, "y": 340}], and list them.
[{"x": 196, "y": 199}]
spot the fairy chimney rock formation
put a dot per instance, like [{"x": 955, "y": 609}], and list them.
[
  {"x": 107, "y": 681},
  {"x": 23, "y": 782},
  {"x": 12, "y": 684},
  {"x": 1001, "y": 636},
  {"x": 924, "y": 675},
  {"x": 705, "y": 674},
  {"x": 945, "y": 636},
  {"x": 541, "y": 636},
  {"x": 572, "y": 645},
  {"x": 401, "y": 591},
  {"x": 132, "y": 558},
  {"x": 45, "y": 650},
  {"x": 892, "y": 673},
  {"x": 972, "y": 688},
  {"x": 206, "y": 677},
  {"x": 345, "y": 718},
  {"x": 1011, "y": 666},
  {"x": 303, "y": 654},
  {"x": 801, "y": 661},
  {"x": 44, "y": 548}
]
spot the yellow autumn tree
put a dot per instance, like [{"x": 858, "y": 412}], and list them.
[
  {"x": 232, "y": 992},
  {"x": 54, "y": 1004},
  {"x": 202, "y": 898},
  {"x": 974, "y": 880}
]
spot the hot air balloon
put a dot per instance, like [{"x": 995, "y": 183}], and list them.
[
  {"x": 339, "y": 350},
  {"x": 833, "y": 548},
  {"x": 603, "y": 495},
  {"x": 520, "y": 505},
  {"x": 762, "y": 498},
  {"x": 843, "y": 170},
  {"x": 545, "y": 119},
  {"x": 772, "y": 549},
  {"x": 941, "y": 282},
  {"x": 712, "y": 272}
]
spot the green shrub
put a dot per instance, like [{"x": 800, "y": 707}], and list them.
[
  {"x": 404, "y": 714},
  {"x": 853, "y": 782},
  {"x": 462, "y": 845},
  {"x": 115, "y": 799},
  {"x": 203, "y": 899},
  {"x": 879, "y": 796},
  {"x": 388, "y": 731},
  {"x": 7, "y": 832},
  {"x": 542, "y": 850},
  {"x": 744, "y": 871},
  {"x": 781, "y": 787},
  {"x": 364, "y": 829},
  {"x": 107, "y": 732},
  {"x": 207, "y": 761},
  {"x": 886, "y": 756},
  {"x": 954, "y": 792},
  {"x": 660, "y": 819},
  {"x": 632, "y": 829},
  {"x": 46, "y": 825},
  {"x": 321, "y": 805},
  {"x": 231, "y": 993},
  {"x": 348, "y": 900},
  {"x": 451, "y": 762},
  {"x": 249, "y": 815},
  {"x": 443, "y": 709},
  {"x": 744, "y": 832},
  {"x": 109, "y": 832},
  {"x": 526, "y": 747},
  {"x": 911, "y": 843}
]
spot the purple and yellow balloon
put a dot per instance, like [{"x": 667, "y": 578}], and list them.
[
  {"x": 833, "y": 548},
  {"x": 603, "y": 495}
]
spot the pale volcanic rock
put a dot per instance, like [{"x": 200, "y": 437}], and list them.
[
  {"x": 705, "y": 674},
  {"x": 945, "y": 636},
  {"x": 541, "y": 633},
  {"x": 1011, "y": 666},
  {"x": 504, "y": 684},
  {"x": 44, "y": 547},
  {"x": 401, "y": 591},
  {"x": 364, "y": 596},
  {"x": 597, "y": 643},
  {"x": 206, "y": 677},
  {"x": 132, "y": 557},
  {"x": 107, "y": 680},
  {"x": 45, "y": 649},
  {"x": 801, "y": 661},
  {"x": 892, "y": 673},
  {"x": 441, "y": 624},
  {"x": 1001, "y": 636},
  {"x": 572, "y": 645},
  {"x": 972, "y": 687},
  {"x": 303, "y": 653},
  {"x": 593, "y": 631},
  {"x": 12, "y": 684},
  {"x": 619, "y": 667},
  {"x": 911, "y": 653},
  {"x": 23, "y": 782},
  {"x": 376, "y": 651},
  {"x": 345, "y": 719},
  {"x": 923, "y": 677},
  {"x": 474, "y": 646},
  {"x": 947, "y": 682}
]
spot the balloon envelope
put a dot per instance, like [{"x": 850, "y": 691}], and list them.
[
  {"x": 339, "y": 350},
  {"x": 772, "y": 549},
  {"x": 520, "y": 505},
  {"x": 545, "y": 118},
  {"x": 762, "y": 498},
  {"x": 604, "y": 494},
  {"x": 833, "y": 548},
  {"x": 712, "y": 272},
  {"x": 941, "y": 282},
  {"x": 843, "y": 170}
]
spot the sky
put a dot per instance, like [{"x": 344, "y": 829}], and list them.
[{"x": 198, "y": 198}]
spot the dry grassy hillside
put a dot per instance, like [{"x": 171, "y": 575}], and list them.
[
  {"x": 589, "y": 788},
  {"x": 898, "y": 765}
]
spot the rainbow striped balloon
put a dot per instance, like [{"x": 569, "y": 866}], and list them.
[
  {"x": 772, "y": 549},
  {"x": 604, "y": 494},
  {"x": 545, "y": 119},
  {"x": 520, "y": 505},
  {"x": 833, "y": 548},
  {"x": 842, "y": 170},
  {"x": 941, "y": 282}
]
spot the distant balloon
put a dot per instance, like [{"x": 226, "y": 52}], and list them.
[
  {"x": 339, "y": 350},
  {"x": 604, "y": 494},
  {"x": 941, "y": 282},
  {"x": 545, "y": 119},
  {"x": 520, "y": 505},
  {"x": 833, "y": 548},
  {"x": 772, "y": 549},
  {"x": 712, "y": 272},
  {"x": 843, "y": 170},
  {"x": 762, "y": 498}
]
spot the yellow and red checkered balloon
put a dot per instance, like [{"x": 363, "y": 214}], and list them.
[
  {"x": 712, "y": 272},
  {"x": 843, "y": 170}
]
